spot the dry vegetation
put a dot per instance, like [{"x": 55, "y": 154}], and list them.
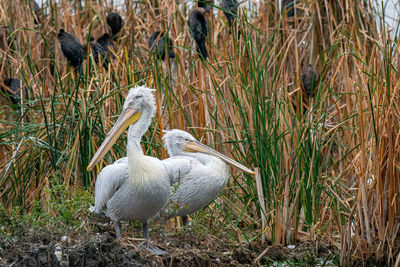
[{"x": 329, "y": 166}]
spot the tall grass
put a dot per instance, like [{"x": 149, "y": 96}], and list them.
[{"x": 329, "y": 165}]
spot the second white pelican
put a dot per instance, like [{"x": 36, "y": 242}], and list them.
[
  {"x": 136, "y": 187},
  {"x": 197, "y": 174}
]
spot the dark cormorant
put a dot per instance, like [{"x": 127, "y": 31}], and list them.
[
  {"x": 230, "y": 8},
  {"x": 105, "y": 41},
  {"x": 99, "y": 48},
  {"x": 205, "y": 4},
  {"x": 13, "y": 92},
  {"x": 198, "y": 26},
  {"x": 158, "y": 46},
  {"x": 72, "y": 49},
  {"x": 115, "y": 22}
]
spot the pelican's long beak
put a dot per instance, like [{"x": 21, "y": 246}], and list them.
[
  {"x": 196, "y": 146},
  {"x": 127, "y": 117}
]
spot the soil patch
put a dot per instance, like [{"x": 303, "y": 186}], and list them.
[{"x": 183, "y": 249}]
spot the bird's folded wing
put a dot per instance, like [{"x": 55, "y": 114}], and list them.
[
  {"x": 178, "y": 167},
  {"x": 109, "y": 180},
  {"x": 121, "y": 160}
]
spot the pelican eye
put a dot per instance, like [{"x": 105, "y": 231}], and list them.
[{"x": 138, "y": 96}]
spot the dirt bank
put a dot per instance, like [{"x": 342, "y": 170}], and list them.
[{"x": 102, "y": 249}]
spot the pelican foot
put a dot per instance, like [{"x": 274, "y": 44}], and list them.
[
  {"x": 117, "y": 225},
  {"x": 152, "y": 249}
]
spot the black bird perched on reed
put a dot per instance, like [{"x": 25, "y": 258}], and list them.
[
  {"x": 99, "y": 48},
  {"x": 159, "y": 44},
  {"x": 72, "y": 49},
  {"x": 13, "y": 92},
  {"x": 115, "y": 22},
  {"x": 105, "y": 41},
  {"x": 96, "y": 49},
  {"x": 85, "y": 45},
  {"x": 198, "y": 26},
  {"x": 230, "y": 8},
  {"x": 206, "y": 5},
  {"x": 309, "y": 79}
]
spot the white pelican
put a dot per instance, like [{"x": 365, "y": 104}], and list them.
[
  {"x": 197, "y": 174},
  {"x": 136, "y": 187}
]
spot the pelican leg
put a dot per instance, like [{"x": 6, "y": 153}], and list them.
[
  {"x": 146, "y": 234},
  {"x": 163, "y": 220},
  {"x": 117, "y": 225},
  {"x": 146, "y": 245}
]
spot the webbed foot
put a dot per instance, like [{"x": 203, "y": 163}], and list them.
[{"x": 152, "y": 249}]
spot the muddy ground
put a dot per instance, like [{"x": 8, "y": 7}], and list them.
[{"x": 182, "y": 249}]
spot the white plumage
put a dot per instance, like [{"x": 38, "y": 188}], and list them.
[
  {"x": 135, "y": 187},
  {"x": 197, "y": 173}
]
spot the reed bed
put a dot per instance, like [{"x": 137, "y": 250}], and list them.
[{"x": 328, "y": 165}]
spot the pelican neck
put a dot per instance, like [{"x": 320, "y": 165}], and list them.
[{"x": 135, "y": 134}]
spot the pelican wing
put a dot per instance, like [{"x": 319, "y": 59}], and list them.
[
  {"x": 178, "y": 167},
  {"x": 121, "y": 160},
  {"x": 108, "y": 182}
]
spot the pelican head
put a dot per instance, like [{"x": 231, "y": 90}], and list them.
[
  {"x": 138, "y": 109},
  {"x": 178, "y": 141}
]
